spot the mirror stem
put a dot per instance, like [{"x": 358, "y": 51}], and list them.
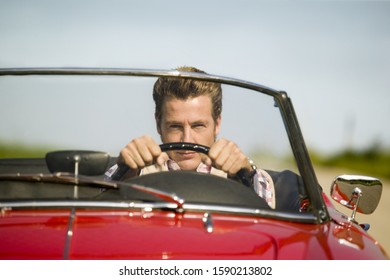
[
  {"x": 356, "y": 194},
  {"x": 76, "y": 176}
]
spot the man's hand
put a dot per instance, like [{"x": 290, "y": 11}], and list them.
[
  {"x": 141, "y": 152},
  {"x": 226, "y": 156}
]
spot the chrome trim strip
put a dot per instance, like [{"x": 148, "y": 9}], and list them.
[
  {"x": 85, "y": 71},
  {"x": 69, "y": 233},
  {"x": 85, "y": 204},
  {"x": 263, "y": 213},
  {"x": 208, "y": 222}
]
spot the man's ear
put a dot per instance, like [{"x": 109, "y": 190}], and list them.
[
  {"x": 158, "y": 125},
  {"x": 218, "y": 125}
]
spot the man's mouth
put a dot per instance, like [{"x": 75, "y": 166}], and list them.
[{"x": 186, "y": 154}]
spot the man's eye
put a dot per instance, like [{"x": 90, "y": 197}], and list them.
[{"x": 199, "y": 125}]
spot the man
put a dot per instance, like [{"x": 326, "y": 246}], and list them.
[{"x": 188, "y": 110}]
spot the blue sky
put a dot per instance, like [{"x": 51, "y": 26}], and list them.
[{"x": 332, "y": 57}]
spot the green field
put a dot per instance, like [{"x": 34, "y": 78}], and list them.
[
  {"x": 370, "y": 162},
  {"x": 8, "y": 150}
]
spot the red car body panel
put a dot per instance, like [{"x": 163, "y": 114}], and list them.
[
  {"x": 139, "y": 235},
  {"x": 33, "y": 234}
]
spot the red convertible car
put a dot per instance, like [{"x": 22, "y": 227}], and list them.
[{"x": 60, "y": 207}]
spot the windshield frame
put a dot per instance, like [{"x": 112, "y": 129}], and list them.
[{"x": 282, "y": 100}]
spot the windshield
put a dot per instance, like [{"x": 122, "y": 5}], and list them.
[{"x": 103, "y": 113}]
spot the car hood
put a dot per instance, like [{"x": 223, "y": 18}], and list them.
[{"x": 164, "y": 235}]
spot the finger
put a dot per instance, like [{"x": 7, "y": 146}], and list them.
[
  {"x": 141, "y": 151},
  {"x": 233, "y": 166},
  {"x": 228, "y": 157},
  {"x": 139, "y": 155},
  {"x": 206, "y": 160},
  {"x": 152, "y": 146},
  {"x": 217, "y": 148},
  {"x": 223, "y": 154},
  {"x": 148, "y": 149},
  {"x": 126, "y": 158},
  {"x": 229, "y": 167},
  {"x": 162, "y": 159}
]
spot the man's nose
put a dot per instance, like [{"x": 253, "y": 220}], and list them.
[{"x": 187, "y": 136}]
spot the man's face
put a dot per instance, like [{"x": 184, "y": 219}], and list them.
[{"x": 188, "y": 121}]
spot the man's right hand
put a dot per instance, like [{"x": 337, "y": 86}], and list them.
[{"x": 142, "y": 152}]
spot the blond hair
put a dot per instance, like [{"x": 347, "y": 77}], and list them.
[{"x": 184, "y": 88}]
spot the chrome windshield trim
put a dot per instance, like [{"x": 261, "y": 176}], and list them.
[
  {"x": 263, "y": 213},
  {"x": 90, "y": 71}
]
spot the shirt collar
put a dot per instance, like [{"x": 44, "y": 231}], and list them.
[{"x": 173, "y": 166}]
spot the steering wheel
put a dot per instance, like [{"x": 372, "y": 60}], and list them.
[{"x": 185, "y": 146}]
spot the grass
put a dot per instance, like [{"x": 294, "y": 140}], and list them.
[
  {"x": 11, "y": 150},
  {"x": 372, "y": 161}
]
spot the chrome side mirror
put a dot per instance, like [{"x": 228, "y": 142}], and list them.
[{"x": 359, "y": 193}]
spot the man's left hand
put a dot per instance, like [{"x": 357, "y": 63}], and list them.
[{"x": 227, "y": 156}]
